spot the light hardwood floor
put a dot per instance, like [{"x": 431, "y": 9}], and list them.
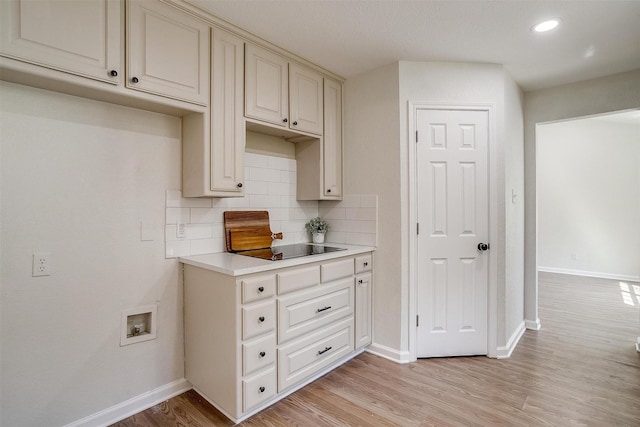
[{"x": 581, "y": 368}]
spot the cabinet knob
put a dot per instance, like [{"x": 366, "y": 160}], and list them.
[
  {"x": 295, "y": 123},
  {"x": 285, "y": 120},
  {"x": 262, "y": 354},
  {"x": 366, "y": 263},
  {"x": 262, "y": 389},
  {"x": 261, "y": 289},
  {"x": 113, "y": 73},
  {"x": 328, "y": 190},
  {"x": 239, "y": 185},
  {"x": 135, "y": 80},
  {"x": 261, "y": 319},
  {"x": 360, "y": 281}
]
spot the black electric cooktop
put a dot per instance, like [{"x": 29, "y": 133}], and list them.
[{"x": 276, "y": 253}]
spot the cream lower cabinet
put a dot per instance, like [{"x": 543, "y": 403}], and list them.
[
  {"x": 364, "y": 300},
  {"x": 250, "y": 340},
  {"x": 82, "y": 38}
]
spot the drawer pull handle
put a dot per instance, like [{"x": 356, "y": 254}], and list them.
[
  {"x": 262, "y": 389},
  {"x": 261, "y": 289},
  {"x": 262, "y": 354},
  {"x": 323, "y": 309},
  {"x": 261, "y": 319},
  {"x": 324, "y": 351}
]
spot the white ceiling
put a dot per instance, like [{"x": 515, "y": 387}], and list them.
[{"x": 595, "y": 39}]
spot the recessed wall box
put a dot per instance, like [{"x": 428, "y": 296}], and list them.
[{"x": 138, "y": 324}]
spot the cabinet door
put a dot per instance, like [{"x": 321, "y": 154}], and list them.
[
  {"x": 167, "y": 52},
  {"x": 305, "y": 99},
  {"x": 227, "y": 121},
  {"x": 266, "y": 86},
  {"x": 79, "y": 37},
  {"x": 332, "y": 150},
  {"x": 363, "y": 310}
]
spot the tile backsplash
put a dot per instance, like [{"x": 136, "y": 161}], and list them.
[{"x": 270, "y": 184}]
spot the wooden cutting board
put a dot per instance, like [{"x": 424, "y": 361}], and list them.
[
  {"x": 247, "y": 238},
  {"x": 251, "y": 230}
]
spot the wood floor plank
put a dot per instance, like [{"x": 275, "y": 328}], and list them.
[{"x": 580, "y": 369}]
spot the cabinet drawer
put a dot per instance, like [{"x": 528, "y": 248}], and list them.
[
  {"x": 258, "y": 389},
  {"x": 298, "y": 279},
  {"x": 258, "y": 319},
  {"x": 309, "y": 310},
  {"x": 363, "y": 263},
  {"x": 336, "y": 270},
  {"x": 257, "y": 288},
  {"x": 258, "y": 354},
  {"x": 306, "y": 356}
]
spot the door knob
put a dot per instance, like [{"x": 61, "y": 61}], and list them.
[{"x": 483, "y": 247}]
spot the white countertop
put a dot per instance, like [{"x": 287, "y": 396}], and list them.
[{"x": 238, "y": 265}]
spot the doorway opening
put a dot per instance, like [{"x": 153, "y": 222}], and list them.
[{"x": 588, "y": 201}]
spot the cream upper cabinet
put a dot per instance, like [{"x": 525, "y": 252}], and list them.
[
  {"x": 319, "y": 171},
  {"x": 266, "y": 86},
  {"x": 213, "y": 143},
  {"x": 305, "y": 99},
  {"x": 227, "y": 121},
  {"x": 332, "y": 147},
  {"x": 78, "y": 37},
  {"x": 282, "y": 93},
  {"x": 167, "y": 52}
]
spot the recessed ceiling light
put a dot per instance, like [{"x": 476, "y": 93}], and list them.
[{"x": 546, "y": 25}]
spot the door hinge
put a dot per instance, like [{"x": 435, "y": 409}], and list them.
[
  {"x": 417, "y": 320},
  {"x": 417, "y": 228},
  {"x": 416, "y": 136}
]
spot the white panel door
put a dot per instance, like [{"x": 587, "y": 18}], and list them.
[
  {"x": 79, "y": 37},
  {"x": 453, "y": 206}
]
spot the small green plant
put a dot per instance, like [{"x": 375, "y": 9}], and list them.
[{"x": 317, "y": 225}]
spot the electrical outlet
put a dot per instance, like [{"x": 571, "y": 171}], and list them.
[
  {"x": 181, "y": 230},
  {"x": 41, "y": 264}
]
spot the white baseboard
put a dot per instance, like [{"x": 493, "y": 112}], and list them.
[
  {"x": 533, "y": 324},
  {"x": 134, "y": 405},
  {"x": 590, "y": 274},
  {"x": 389, "y": 353},
  {"x": 505, "y": 352}
]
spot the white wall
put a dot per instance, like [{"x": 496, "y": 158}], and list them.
[
  {"x": 613, "y": 93},
  {"x": 514, "y": 208},
  {"x": 372, "y": 164},
  {"x": 589, "y": 198},
  {"x": 77, "y": 179},
  {"x": 91, "y": 183},
  {"x": 376, "y": 161}
]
